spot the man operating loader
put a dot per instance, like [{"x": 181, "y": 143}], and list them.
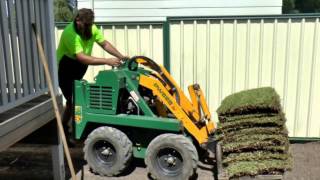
[{"x": 74, "y": 55}]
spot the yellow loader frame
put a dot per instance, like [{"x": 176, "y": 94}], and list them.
[{"x": 194, "y": 115}]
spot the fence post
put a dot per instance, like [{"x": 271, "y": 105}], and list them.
[{"x": 166, "y": 45}]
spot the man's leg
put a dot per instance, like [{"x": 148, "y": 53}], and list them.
[
  {"x": 69, "y": 70},
  {"x": 67, "y": 117},
  {"x": 67, "y": 124}
]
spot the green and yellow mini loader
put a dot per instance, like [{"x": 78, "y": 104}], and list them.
[{"x": 138, "y": 110}]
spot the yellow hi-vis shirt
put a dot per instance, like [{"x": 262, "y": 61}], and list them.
[{"x": 71, "y": 43}]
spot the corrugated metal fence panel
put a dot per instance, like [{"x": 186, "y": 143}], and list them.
[
  {"x": 229, "y": 55},
  {"x": 158, "y": 10},
  {"x": 22, "y": 76},
  {"x": 131, "y": 40}
]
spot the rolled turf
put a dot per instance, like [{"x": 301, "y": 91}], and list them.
[
  {"x": 249, "y": 101},
  {"x": 222, "y": 134},
  {"x": 258, "y": 167},
  {"x": 254, "y": 156},
  {"x": 252, "y": 133},
  {"x": 278, "y": 139},
  {"x": 252, "y": 145},
  {"x": 234, "y": 117},
  {"x": 254, "y": 122}
]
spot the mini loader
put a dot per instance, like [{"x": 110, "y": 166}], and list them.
[{"x": 138, "y": 110}]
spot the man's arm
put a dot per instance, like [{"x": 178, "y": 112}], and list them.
[
  {"x": 111, "y": 49},
  {"x": 90, "y": 60}
]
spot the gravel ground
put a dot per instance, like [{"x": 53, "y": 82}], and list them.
[{"x": 33, "y": 162}]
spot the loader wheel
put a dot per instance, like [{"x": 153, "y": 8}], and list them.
[
  {"x": 172, "y": 157},
  {"x": 107, "y": 151}
]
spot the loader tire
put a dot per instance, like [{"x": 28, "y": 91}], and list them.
[
  {"x": 108, "y": 151},
  {"x": 171, "y": 157}
]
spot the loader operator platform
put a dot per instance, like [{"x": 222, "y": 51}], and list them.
[{"x": 74, "y": 54}]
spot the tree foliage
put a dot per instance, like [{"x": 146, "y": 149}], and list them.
[
  {"x": 308, "y": 6},
  {"x": 288, "y": 6},
  {"x": 300, "y": 6},
  {"x": 62, "y": 12}
]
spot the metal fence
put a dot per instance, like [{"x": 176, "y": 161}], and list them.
[
  {"x": 229, "y": 54},
  {"x": 21, "y": 74}
]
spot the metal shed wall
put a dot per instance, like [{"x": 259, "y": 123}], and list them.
[
  {"x": 229, "y": 55},
  {"x": 158, "y": 10}
]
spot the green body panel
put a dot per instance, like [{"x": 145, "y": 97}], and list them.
[
  {"x": 139, "y": 152},
  {"x": 102, "y": 95},
  {"x": 170, "y": 125},
  {"x": 99, "y": 97},
  {"x": 303, "y": 139},
  {"x": 97, "y": 103}
]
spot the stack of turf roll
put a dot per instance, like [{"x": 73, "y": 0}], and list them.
[{"x": 252, "y": 134}]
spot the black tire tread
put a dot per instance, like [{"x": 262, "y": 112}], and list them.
[
  {"x": 176, "y": 139},
  {"x": 120, "y": 137}
]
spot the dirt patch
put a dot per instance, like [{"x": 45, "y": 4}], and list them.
[{"x": 306, "y": 161}]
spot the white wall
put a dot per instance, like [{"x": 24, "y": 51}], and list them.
[{"x": 158, "y": 10}]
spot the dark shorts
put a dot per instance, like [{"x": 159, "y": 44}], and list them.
[{"x": 70, "y": 70}]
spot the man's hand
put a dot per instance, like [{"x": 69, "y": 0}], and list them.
[
  {"x": 112, "y": 61},
  {"x": 125, "y": 58},
  {"x": 90, "y": 60}
]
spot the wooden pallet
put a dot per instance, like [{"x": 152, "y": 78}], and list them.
[{"x": 222, "y": 174}]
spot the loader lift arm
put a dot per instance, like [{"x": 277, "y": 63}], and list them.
[{"x": 171, "y": 95}]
